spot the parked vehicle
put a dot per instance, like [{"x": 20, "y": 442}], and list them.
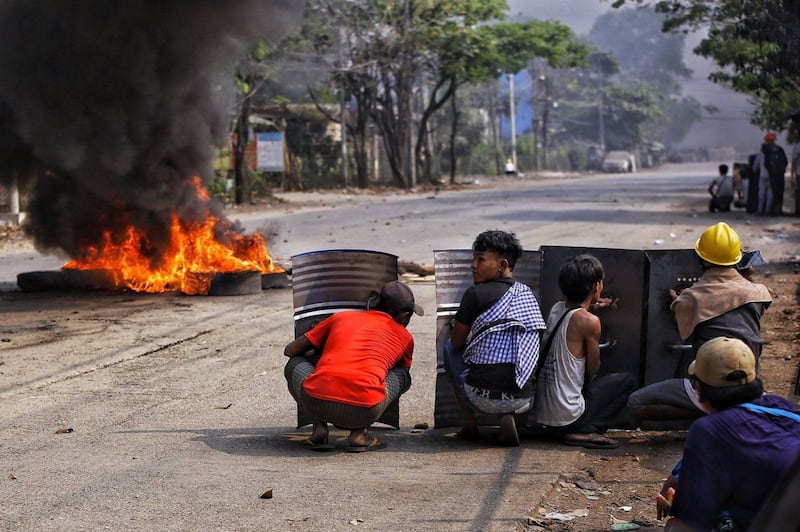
[{"x": 619, "y": 161}]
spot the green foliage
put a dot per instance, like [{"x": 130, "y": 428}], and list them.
[
  {"x": 647, "y": 57},
  {"x": 513, "y": 45},
  {"x": 628, "y": 111},
  {"x": 755, "y": 44},
  {"x": 642, "y": 51},
  {"x": 308, "y": 139},
  {"x": 577, "y": 158}
]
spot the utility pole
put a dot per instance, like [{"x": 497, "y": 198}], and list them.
[
  {"x": 600, "y": 122},
  {"x": 343, "y": 126},
  {"x": 342, "y": 110},
  {"x": 546, "y": 122},
  {"x": 513, "y": 120}
]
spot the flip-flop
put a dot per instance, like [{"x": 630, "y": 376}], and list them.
[
  {"x": 374, "y": 445},
  {"x": 600, "y": 443},
  {"x": 318, "y": 446}
]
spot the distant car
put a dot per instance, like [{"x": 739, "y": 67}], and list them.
[{"x": 619, "y": 161}]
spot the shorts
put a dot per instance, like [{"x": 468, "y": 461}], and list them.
[{"x": 457, "y": 370}]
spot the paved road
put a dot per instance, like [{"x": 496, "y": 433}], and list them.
[
  {"x": 666, "y": 207},
  {"x": 179, "y": 414}
]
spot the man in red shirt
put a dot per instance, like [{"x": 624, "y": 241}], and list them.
[{"x": 363, "y": 364}]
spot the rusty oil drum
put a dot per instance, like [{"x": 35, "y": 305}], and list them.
[{"x": 329, "y": 281}]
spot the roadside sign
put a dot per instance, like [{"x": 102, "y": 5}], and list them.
[{"x": 269, "y": 151}]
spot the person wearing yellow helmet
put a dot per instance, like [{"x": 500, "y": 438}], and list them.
[{"x": 722, "y": 302}]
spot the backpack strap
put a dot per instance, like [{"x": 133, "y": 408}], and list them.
[
  {"x": 546, "y": 350},
  {"x": 773, "y": 411}
]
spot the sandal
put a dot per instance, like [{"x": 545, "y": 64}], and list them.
[
  {"x": 308, "y": 443},
  {"x": 594, "y": 443},
  {"x": 374, "y": 445}
]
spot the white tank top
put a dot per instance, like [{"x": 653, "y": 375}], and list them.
[{"x": 559, "y": 400}]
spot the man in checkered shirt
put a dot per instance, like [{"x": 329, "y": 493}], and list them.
[{"x": 494, "y": 342}]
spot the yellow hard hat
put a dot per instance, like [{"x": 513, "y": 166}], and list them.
[{"x": 720, "y": 245}]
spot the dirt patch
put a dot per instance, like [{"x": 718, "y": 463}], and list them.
[{"x": 618, "y": 486}]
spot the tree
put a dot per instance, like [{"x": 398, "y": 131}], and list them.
[
  {"x": 251, "y": 73},
  {"x": 481, "y": 54},
  {"x": 755, "y": 44},
  {"x": 546, "y": 43},
  {"x": 399, "y": 59},
  {"x": 647, "y": 56},
  {"x": 340, "y": 31},
  {"x": 622, "y": 122}
]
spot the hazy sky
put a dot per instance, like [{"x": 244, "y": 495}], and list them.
[
  {"x": 728, "y": 127},
  {"x": 577, "y": 14}
]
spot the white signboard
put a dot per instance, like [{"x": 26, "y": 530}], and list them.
[{"x": 269, "y": 151}]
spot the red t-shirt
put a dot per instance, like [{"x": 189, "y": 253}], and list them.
[{"x": 358, "y": 350}]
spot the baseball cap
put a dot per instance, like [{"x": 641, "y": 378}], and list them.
[
  {"x": 723, "y": 362},
  {"x": 770, "y": 136},
  {"x": 397, "y": 296}
]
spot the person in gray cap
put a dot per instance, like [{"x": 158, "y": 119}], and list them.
[
  {"x": 734, "y": 455},
  {"x": 351, "y": 366}
]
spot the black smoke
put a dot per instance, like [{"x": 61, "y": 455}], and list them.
[{"x": 108, "y": 107}]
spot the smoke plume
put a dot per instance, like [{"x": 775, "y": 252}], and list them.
[{"x": 107, "y": 108}]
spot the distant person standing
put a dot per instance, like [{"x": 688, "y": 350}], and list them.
[
  {"x": 761, "y": 175},
  {"x": 741, "y": 182},
  {"x": 721, "y": 190},
  {"x": 770, "y": 165},
  {"x": 510, "y": 168},
  {"x": 795, "y": 170}
]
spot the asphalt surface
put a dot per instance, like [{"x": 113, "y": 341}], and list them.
[
  {"x": 171, "y": 412},
  {"x": 141, "y": 412}
]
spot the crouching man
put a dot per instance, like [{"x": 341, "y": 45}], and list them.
[
  {"x": 494, "y": 343},
  {"x": 362, "y": 367},
  {"x": 734, "y": 455}
]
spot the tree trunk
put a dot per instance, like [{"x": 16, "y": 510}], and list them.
[
  {"x": 435, "y": 103},
  {"x": 453, "y": 132},
  {"x": 494, "y": 129},
  {"x": 241, "y": 177}
]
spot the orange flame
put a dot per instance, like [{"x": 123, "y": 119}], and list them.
[{"x": 192, "y": 257}]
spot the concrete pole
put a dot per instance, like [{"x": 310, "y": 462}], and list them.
[
  {"x": 600, "y": 122},
  {"x": 513, "y": 120},
  {"x": 343, "y": 126}
]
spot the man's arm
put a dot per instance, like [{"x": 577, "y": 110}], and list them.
[
  {"x": 592, "y": 343},
  {"x": 583, "y": 339},
  {"x": 300, "y": 346},
  {"x": 458, "y": 336}
]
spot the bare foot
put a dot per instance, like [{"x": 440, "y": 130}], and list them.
[
  {"x": 359, "y": 438},
  {"x": 320, "y": 432}
]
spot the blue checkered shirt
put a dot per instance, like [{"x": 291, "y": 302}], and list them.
[{"x": 508, "y": 332}]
